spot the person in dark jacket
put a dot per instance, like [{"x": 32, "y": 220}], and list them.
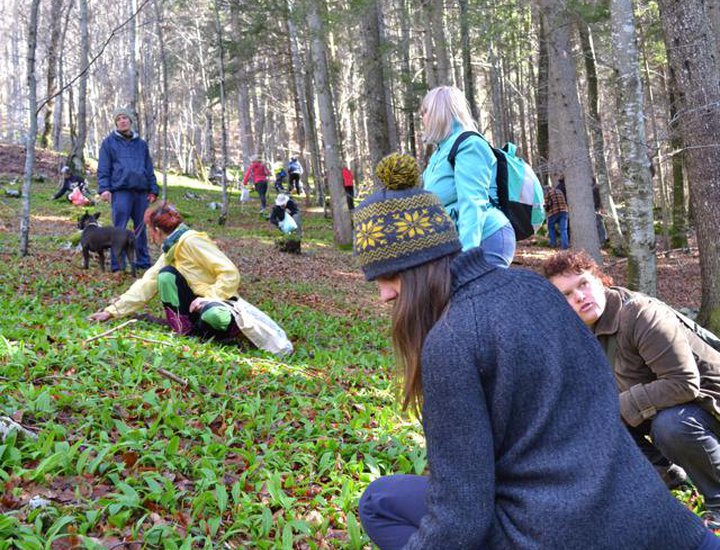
[
  {"x": 126, "y": 178},
  {"x": 70, "y": 182},
  {"x": 524, "y": 441},
  {"x": 284, "y": 206},
  {"x": 669, "y": 379}
]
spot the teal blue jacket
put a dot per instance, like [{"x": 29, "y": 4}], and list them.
[{"x": 466, "y": 191}]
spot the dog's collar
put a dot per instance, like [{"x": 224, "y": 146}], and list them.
[{"x": 92, "y": 224}]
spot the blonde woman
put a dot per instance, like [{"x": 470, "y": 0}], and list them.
[{"x": 468, "y": 190}]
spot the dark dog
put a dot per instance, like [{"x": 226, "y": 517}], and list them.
[{"x": 98, "y": 239}]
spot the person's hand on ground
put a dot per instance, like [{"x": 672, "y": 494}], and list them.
[{"x": 100, "y": 316}]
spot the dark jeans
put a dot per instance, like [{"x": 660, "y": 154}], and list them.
[
  {"x": 261, "y": 188},
  {"x": 350, "y": 197},
  {"x": 295, "y": 182},
  {"x": 560, "y": 219},
  {"x": 391, "y": 509},
  {"x": 689, "y": 436},
  {"x": 126, "y": 206}
]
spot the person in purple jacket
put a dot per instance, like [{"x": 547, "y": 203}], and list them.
[
  {"x": 126, "y": 178},
  {"x": 524, "y": 440}
]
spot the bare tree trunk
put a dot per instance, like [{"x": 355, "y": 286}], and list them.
[
  {"x": 60, "y": 100},
  {"x": 52, "y": 64},
  {"x": 689, "y": 41},
  {"x": 77, "y": 156},
  {"x": 571, "y": 126},
  {"x": 436, "y": 26},
  {"x": 678, "y": 232},
  {"x": 388, "y": 87},
  {"x": 637, "y": 180},
  {"x": 612, "y": 222},
  {"x": 160, "y": 22},
  {"x": 410, "y": 101},
  {"x": 32, "y": 127},
  {"x": 341, "y": 217},
  {"x": 132, "y": 82},
  {"x": 317, "y": 160},
  {"x": 468, "y": 79},
  {"x": 541, "y": 104},
  {"x": 374, "y": 78},
  {"x": 223, "y": 127}
]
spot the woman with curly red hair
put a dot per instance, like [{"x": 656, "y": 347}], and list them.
[{"x": 193, "y": 277}]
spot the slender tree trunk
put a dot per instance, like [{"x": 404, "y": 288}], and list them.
[
  {"x": 132, "y": 68},
  {"x": 468, "y": 79},
  {"x": 160, "y": 22},
  {"x": 637, "y": 180},
  {"x": 388, "y": 87},
  {"x": 571, "y": 126},
  {"x": 32, "y": 128},
  {"x": 435, "y": 10},
  {"x": 374, "y": 78},
  {"x": 678, "y": 233},
  {"x": 317, "y": 160},
  {"x": 541, "y": 104},
  {"x": 223, "y": 127},
  {"x": 52, "y": 64},
  {"x": 612, "y": 222},
  {"x": 341, "y": 217},
  {"x": 689, "y": 41},
  {"x": 410, "y": 99},
  {"x": 77, "y": 156},
  {"x": 60, "y": 100}
]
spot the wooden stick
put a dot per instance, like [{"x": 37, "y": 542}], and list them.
[
  {"x": 121, "y": 325},
  {"x": 149, "y": 340},
  {"x": 174, "y": 377}
]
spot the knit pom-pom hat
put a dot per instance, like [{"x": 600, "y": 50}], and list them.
[{"x": 401, "y": 226}]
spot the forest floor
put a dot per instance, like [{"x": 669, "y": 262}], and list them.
[
  {"x": 164, "y": 441},
  {"x": 678, "y": 269}
]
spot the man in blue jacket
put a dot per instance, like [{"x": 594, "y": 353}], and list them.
[{"x": 126, "y": 178}]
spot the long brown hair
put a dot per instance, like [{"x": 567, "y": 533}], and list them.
[{"x": 424, "y": 294}]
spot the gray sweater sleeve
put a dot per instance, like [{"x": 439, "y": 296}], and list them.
[{"x": 460, "y": 450}]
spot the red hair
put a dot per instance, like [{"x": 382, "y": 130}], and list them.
[
  {"x": 574, "y": 261},
  {"x": 164, "y": 217}
]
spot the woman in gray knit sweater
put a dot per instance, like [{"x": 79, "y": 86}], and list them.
[{"x": 525, "y": 445}]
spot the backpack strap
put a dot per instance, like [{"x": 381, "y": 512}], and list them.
[{"x": 458, "y": 141}]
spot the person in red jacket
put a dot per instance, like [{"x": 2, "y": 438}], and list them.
[{"x": 259, "y": 173}]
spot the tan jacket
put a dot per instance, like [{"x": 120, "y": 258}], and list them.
[
  {"x": 658, "y": 362},
  {"x": 209, "y": 273}
]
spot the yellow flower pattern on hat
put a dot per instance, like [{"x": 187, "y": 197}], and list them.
[
  {"x": 370, "y": 233},
  {"x": 411, "y": 223}
]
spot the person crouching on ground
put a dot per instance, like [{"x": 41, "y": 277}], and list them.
[
  {"x": 284, "y": 206},
  {"x": 192, "y": 276},
  {"x": 669, "y": 379},
  {"x": 524, "y": 442}
]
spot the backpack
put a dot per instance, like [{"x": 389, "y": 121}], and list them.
[{"x": 520, "y": 195}]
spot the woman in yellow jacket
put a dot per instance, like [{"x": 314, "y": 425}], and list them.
[{"x": 193, "y": 277}]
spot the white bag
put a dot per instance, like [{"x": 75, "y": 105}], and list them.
[
  {"x": 260, "y": 329},
  {"x": 288, "y": 224},
  {"x": 244, "y": 194}
]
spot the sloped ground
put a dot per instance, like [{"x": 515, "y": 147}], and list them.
[{"x": 239, "y": 449}]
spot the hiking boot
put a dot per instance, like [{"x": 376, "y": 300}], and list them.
[
  {"x": 673, "y": 476},
  {"x": 711, "y": 519}
]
